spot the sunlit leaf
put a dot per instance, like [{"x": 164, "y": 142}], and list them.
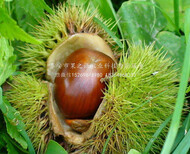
[
  {"x": 10, "y": 30},
  {"x": 6, "y": 60}
]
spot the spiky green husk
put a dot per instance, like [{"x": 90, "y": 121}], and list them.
[
  {"x": 29, "y": 96},
  {"x": 66, "y": 21},
  {"x": 127, "y": 93}
]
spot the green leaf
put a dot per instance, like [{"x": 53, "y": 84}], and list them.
[
  {"x": 6, "y": 60},
  {"x": 35, "y": 7},
  {"x": 78, "y": 3},
  {"x": 170, "y": 139},
  {"x": 13, "y": 132},
  {"x": 15, "y": 119},
  {"x": 10, "y": 30},
  {"x": 133, "y": 151},
  {"x": 1, "y": 3},
  {"x": 179, "y": 102},
  {"x": 105, "y": 8},
  {"x": 188, "y": 90},
  {"x": 184, "y": 145},
  {"x": 6, "y": 139},
  {"x": 7, "y": 143},
  {"x": 11, "y": 146},
  {"x": 140, "y": 22},
  {"x": 173, "y": 45},
  {"x": 11, "y": 149},
  {"x": 54, "y": 147},
  {"x": 24, "y": 19},
  {"x": 182, "y": 132}
]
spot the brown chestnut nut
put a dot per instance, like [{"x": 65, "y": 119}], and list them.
[{"x": 78, "y": 86}]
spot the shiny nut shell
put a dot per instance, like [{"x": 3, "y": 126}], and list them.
[
  {"x": 58, "y": 56},
  {"x": 60, "y": 127},
  {"x": 74, "y": 42}
]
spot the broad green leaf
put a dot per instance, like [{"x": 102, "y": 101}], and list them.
[
  {"x": 104, "y": 8},
  {"x": 10, "y": 30},
  {"x": 133, "y": 151},
  {"x": 13, "y": 132},
  {"x": 184, "y": 145},
  {"x": 173, "y": 45},
  {"x": 6, "y": 60},
  {"x": 168, "y": 7},
  {"x": 24, "y": 19},
  {"x": 150, "y": 3},
  {"x": 54, "y": 147},
  {"x": 35, "y": 7},
  {"x": 140, "y": 22}
]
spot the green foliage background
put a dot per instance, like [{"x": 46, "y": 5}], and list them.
[{"x": 166, "y": 23}]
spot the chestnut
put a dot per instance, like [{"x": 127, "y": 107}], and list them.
[{"x": 78, "y": 86}]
